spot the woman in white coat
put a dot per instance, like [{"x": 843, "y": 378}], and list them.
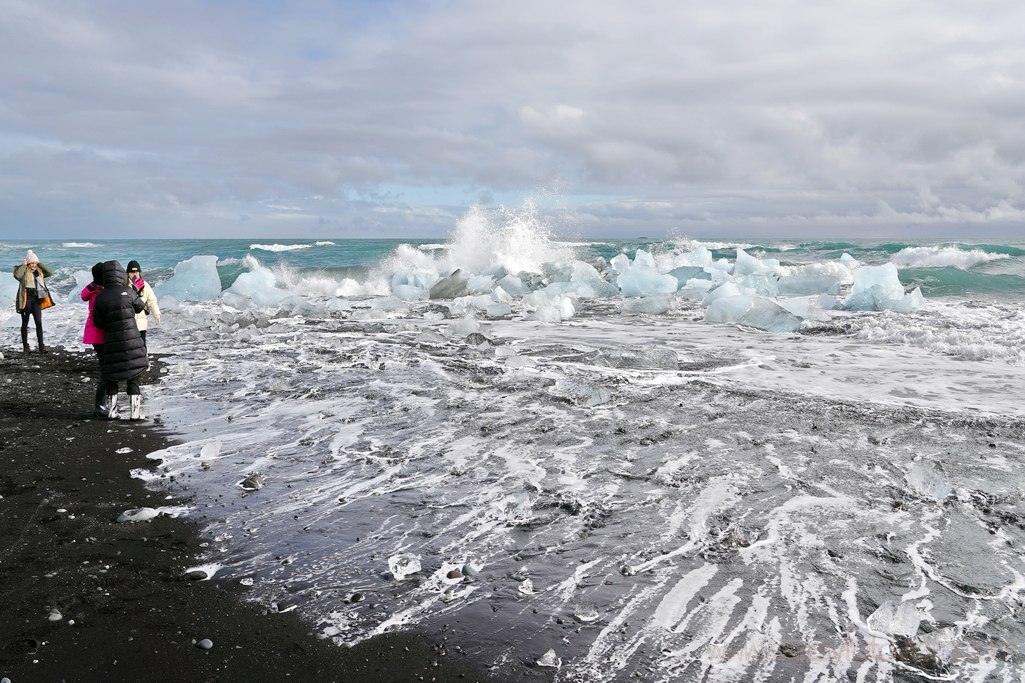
[{"x": 148, "y": 298}]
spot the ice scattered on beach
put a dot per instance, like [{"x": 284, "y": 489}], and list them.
[
  {"x": 550, "y": 660},
  {"x": 144, "y": 514},
  {"x": 203, "y": 572},
  {"x": 403, "y": 565}
]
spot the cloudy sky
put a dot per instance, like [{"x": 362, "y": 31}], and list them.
[{"x": 733, "y": 118}]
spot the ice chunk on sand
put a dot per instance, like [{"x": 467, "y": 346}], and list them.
[
  {"x": 620, "y": 262},
  {"x": 550, "y": 309},
  {"x": 195, "y": 279},
  {"x": 480, "y": 284},
  {"x": 753, "y": 311},
  {"x": 806, "y": 308},
  {"x": 431, "y": 338},
  {"x": 644, "y": 281},
  {"x": 138, "y": 515},
  {"x": 878, "y": 288},
  {"x": 581, "y": 393},
  {"x": 403, "y": 564},
  {"x": 927, "y": 479},
  {"x": 695, "y": 289},
  {"x": 685, "y": 273},
  {"x": 642, "y": 358},
  {"x": 896, "y": 620},
  {"x": 550, "y": 659},
  {"x": 498, "y": 310},
  {"x": 259, "y": 286},
  {"x": 655, "y": 305},
  {"x": 806, "y": 285},
  {"x": 409, "y": 292},
  {"x": 513, "y": 285},
  {"x": 723, "y": 291},
  {"x": 514, "y": 509},
  {"x": 516, "y": 362},
  {"x": 747, "y": 264},
  {"x": 462, "y": 327}
]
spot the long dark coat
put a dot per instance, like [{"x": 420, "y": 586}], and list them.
[{"x": 124, "y": 352}]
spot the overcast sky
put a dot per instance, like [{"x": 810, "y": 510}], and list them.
[{"x": 733, "y": 118}]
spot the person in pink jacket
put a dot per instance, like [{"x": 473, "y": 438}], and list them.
[{"x": 94, "y": 335}]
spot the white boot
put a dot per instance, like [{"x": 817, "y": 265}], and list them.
[
  {"x": 136, "y": 401},
  {"x": 112, "y": 412}
]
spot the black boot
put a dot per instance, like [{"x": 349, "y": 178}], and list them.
[
  {"x": 24, "y": 340},
  {"x": 39, "y": 338},
  {"x": 101, "y": 408}
]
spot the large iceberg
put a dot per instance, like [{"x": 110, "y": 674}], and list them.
[
  {"x": 878, "y": 288},
  {"x": 258, "y": 286},
  {"x": 195, "y": 279}
]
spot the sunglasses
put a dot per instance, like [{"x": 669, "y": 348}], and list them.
[{"x": 134, "y": 270}]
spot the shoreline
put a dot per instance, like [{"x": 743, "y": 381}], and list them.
[{"x": 86, "y": 598}]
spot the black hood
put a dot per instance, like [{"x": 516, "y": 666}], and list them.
[{"x": 114, "y": 274}]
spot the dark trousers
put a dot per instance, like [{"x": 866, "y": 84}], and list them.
[
  {"x": 36, "y": 313},
  {"x": 133, "y": 387},
  {"x": 101, "y": 391}
]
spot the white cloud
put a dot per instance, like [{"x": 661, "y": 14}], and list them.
[{"x": 719, "y": 116}]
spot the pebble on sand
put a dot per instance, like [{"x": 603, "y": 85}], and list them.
[{"x": 205, "y": 644}]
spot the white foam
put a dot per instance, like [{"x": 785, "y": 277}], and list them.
[{"x": 943, "y": 257}]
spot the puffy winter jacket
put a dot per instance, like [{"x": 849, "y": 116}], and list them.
[
  {"x": 91, "y": 334},
  {"x": 124, "y": 353},
  {"x": 150, "y": 300}
]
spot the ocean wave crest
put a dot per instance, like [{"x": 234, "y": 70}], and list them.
[
  {"x": 942, "y": 257},
  {"x": 79, "y": 245},
  {"x": 291, "y": 247}
]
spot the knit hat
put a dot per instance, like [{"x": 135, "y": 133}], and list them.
[
  {"x": 30, "y": 257},
  {"x": 98, "y": 274},
  {"x": 134, "y": 265}
]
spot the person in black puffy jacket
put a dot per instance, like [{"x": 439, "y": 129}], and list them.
[{"x": 124, "y": 353}]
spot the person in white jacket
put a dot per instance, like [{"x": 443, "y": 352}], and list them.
[{"x": 148, "y": 298}]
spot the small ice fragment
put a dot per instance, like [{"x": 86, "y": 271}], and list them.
[
  {"x": 137, "y": 515},
  {"x": 54, "y": 615},
  {"x": 896, "y": 620},
  {"x": 205, "y": 644},
  {"x": 940, "y": 644},
  {"x": 403, "y": 564},
  {"x": 586, "y": 614},
  {"x": 927, "y": 479},
  {"x": 527, "y": 587},
  {"x": 123, "y": 451},
  {"x": 210, "y": 450},
  {"x": 470, "y": 569},
  {"x": 202, "y": 572},
  {"x": 550, "y": 659},
  {"x": 247, "y": 581}
]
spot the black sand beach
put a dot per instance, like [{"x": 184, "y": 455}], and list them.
[{"x": 84, "y": 598}]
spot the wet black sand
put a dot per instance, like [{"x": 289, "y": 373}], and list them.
[{"x": 127, "y": 610}]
